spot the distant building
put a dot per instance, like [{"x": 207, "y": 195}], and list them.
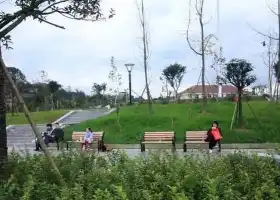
[{"x": 195, "y": 91}]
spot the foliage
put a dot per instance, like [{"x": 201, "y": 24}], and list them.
[
  {"x": 54, "y": 86},
  {"x": 238, "y": 73},
  {"x": 39, "y": 117},
  {"x": 170, "y": 177},
  {"x": 174, "y": 74},
  {"x": 40, "y": 10},
  {"x": 135, "y": 120}
]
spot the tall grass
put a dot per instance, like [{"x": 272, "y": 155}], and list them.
[{"x": 156, "y": 177}]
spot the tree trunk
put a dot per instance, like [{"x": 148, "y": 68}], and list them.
[
  {"x": 3, "y": 133},
  {"x": 204, "y": 97},
  {"x": 52, "y": 101},
  {"x": 144, "y": 39},
  {"x": 13, "y": 104},
  {"x": 240, "y": 111}
]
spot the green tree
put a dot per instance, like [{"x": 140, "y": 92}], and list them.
[
  {"x": 37, "y": 10},
  {"x": 53, "y": 88},
  {"x": 174, "y": 74},
  {"x": 20, "y": 80},
  {"x": 238, "y": 72}
]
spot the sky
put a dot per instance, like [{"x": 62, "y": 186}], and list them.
[{"x": 80, "y": 55}]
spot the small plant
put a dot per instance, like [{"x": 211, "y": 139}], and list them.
[{"x": 116, "y": 176}]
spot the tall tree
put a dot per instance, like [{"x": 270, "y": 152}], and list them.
[
  {"x": 97, "y": 90},
  {"x": 20, "y": 80},
  {"x": 238, "y": 72},
  {"x": 54, "y": 86},
  {"x": 205, "y": 43},
  {"x": 174, "y": 74},
  {"x": 38, "y": 10},
  {"x": 145, "y": 43}
]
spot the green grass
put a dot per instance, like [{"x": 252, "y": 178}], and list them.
[
  {"x": 135, "y": 120},
  {"x": 39, "y": 117}
]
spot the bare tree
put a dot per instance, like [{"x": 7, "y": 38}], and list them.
[
  {"x": 165, "y": 88},
  {"x": 269, "y": 60},
  {"x": 205, "y": 43},
  {"x": 141, "y": 11},
  {"x": 272, "y": 37}
]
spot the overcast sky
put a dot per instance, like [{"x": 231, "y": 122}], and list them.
[{"x": 80, "y": 55}]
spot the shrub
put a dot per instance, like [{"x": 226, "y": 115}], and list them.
[{"x": 155, "y": 177}]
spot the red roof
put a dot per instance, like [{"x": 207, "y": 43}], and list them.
[{"x": 211, "y": 89}]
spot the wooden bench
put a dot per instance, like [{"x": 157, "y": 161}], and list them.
[
  {"x": 158, "y": 138},
  {"x": 194, "y": 137},
  {"x": 98, "y": 138}
]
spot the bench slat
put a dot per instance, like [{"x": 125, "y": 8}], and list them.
[
  {"x": 195, "y": 137},
  {"x": 157, "y": 142},
  {"x": 96, "y": 135},
  {"x": 158, "y": 137},
  {"x": 160, "y": 132}
]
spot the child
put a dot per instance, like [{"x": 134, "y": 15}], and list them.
[
  {"x": 214, "y": 136},
  {"x": 87, "y": 138}
]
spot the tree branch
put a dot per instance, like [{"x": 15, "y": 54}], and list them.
[
  {"x": 265, "y": 35},
  {"x": 50, "y": 23},
  {"x": 269, "y": 7},
  {"x": 187, "y": 33}
]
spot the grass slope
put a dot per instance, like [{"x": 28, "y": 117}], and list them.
[
  {"x": 135, "y": 120},
  {"x": 39, "y": 117}
]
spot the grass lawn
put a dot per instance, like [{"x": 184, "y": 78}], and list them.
[
  {"x": 135, "y": 120},
  {"x": 41, "y": 117}
]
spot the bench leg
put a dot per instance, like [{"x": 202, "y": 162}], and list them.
[
  {"x": 100, "y": 146},
  {"x": 173, "y": 146},
  {"x": 185, "y": 147},
  {"x": 142, "y": 147}
]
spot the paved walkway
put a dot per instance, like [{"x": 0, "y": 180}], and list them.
[
  {"x": 21, "y": 136},
  {"x": 193, "y": 152}
]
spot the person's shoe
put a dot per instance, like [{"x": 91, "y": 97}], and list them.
[
  {"x": 210, "y": 151},
  {"x": 36, "y": 149}
]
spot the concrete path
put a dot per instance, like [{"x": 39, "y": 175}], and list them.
[{"x": 21, "y": 136}]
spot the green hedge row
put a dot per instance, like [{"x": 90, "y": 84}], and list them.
[{"x": 155, "y": 177}]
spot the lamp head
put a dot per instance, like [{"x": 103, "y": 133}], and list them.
[{"x": 129, "y": 66}]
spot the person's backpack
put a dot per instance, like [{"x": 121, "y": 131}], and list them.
[{"x": 216, "y": 134}]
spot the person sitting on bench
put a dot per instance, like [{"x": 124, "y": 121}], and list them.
[
  {"x": 47, "y": 136},
  {"x": 87, "y": 139}
]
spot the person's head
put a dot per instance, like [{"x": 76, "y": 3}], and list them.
[
  {"x": 49, "y": 127},
  {"x": 215, "y": 124},
  {"x": 88, "y": 130}
]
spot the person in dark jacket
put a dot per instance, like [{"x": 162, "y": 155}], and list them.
[{"x": 214, "y": 136}]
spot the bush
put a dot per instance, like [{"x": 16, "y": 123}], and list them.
[{"x": 91, "y": 177}]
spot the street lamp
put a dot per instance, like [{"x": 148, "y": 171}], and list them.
[{"x": 129, "y": 67}]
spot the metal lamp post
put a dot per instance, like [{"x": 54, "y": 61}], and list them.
[{"x": 129, "y": 67}]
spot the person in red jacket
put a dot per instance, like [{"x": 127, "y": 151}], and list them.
[{"x": 214, "y": 136}]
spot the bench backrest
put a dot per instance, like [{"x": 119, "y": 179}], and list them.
[
  {"x": 159, "y": 136},
  {"x": 195, "y": 135},
  {"x": 96, "y": 135}
]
